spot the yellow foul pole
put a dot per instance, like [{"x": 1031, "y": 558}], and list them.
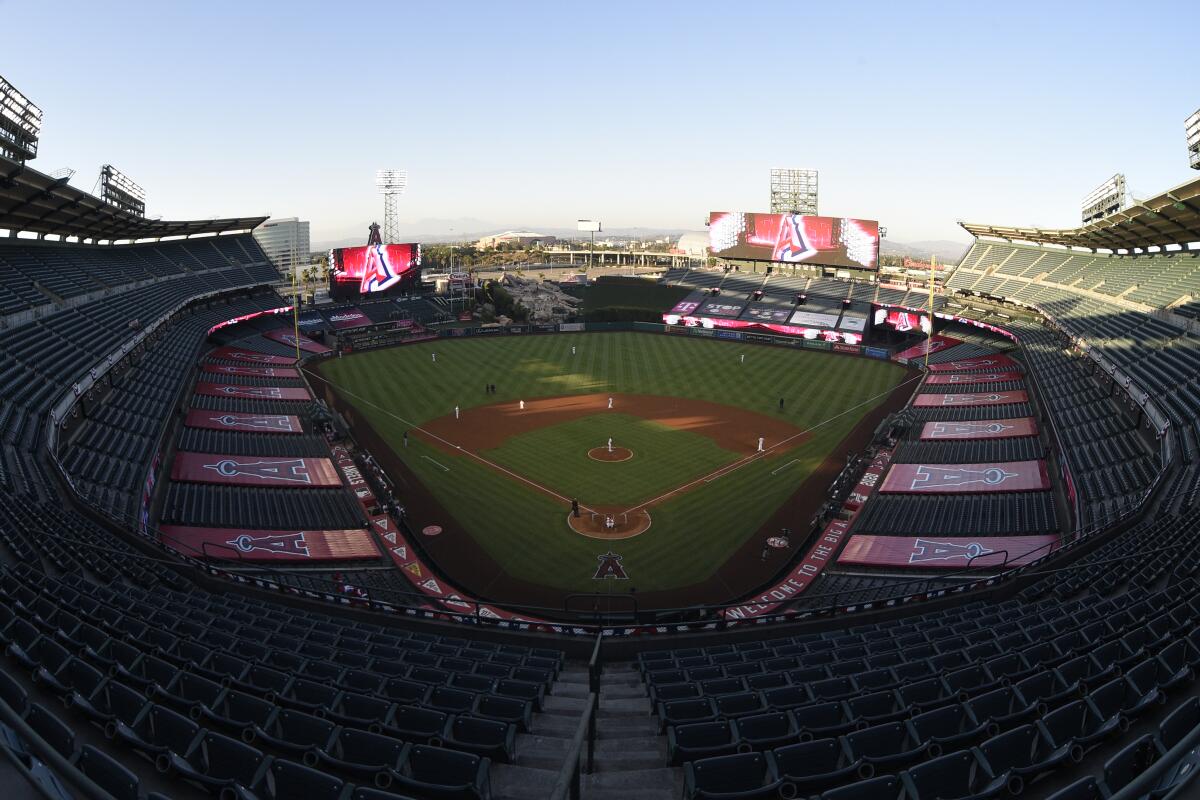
[
  {"x": 295, "y": 314},
  {"x": 929, "y": 336}
]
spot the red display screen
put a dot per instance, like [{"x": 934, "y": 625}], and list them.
[
  {"x": 795, "y": 239},
  {"x": 374, "y": 268}
]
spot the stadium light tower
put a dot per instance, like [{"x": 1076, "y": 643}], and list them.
[
  {"x": 391, "y": 184},
  {"x": 794, "y": 191},
  {"x": 1191, "y": 128}
]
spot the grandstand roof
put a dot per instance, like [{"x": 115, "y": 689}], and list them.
[
  {"x": 1172, "y": 217},
  {"x": 33, "y": 201}
]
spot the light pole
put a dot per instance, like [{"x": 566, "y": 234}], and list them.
[
  {"x": 391, "y": 184},
  {"x": 592, "y": 227}
]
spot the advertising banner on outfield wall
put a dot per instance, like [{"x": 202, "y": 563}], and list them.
[
  {"x": 257, "y": 372},
  {"x": 954, "y": 378},
  {"x": 250, "y": 423},
  {"x": 801, "y": 577},
  {"x": 951, "y": 400},
  {"x": 945, "y": 552},
  {"x": 282, "y": 473},
  {"x": 815, "y": 345},
  {"x": 992, "y": 362},
  {"x": 1007, "y": 476},
  {"x": 1009, "y": 428},
  {"x": 875, "y": 352},
  {"x": 231, "y": 544},
  {"x": 846, "y": 348},
  {"x": 250, "y": 357},
  {"x": 570, "y": 327},
  {"x": 252, "y": 392}
]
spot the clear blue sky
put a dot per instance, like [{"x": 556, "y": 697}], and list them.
[{"x": 636, "y": 113}]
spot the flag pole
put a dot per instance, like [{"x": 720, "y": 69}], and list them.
[{"x": 929, "y": 336}]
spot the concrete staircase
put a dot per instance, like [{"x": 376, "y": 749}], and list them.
[{"x": 631, "y": 756}]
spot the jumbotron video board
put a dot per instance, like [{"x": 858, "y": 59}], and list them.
[
  {"x": 795, "y": 239},
  {"x": 374, "y": 268}
]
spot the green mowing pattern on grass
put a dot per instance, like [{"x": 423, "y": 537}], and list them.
[
  {"x": 525, "y": 530},
  {"x": 663, "y": 458}
]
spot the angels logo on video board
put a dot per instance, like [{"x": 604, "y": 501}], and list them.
[
  {"x": 290, "y": 470},
  {"x": 270, "y": 422},
  {"x": 935, "y": 477},
  {"x": 376, "y": 267},
  {"x": 924, "y": 550},
  {"x": 609, "y": 567},
  {"x": 948, "y": 430},
  {"x": 285, "y": 544}
]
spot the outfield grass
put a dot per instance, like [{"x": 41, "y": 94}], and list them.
[{"x": 525, "y": 530}]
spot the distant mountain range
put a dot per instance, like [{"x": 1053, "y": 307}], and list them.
[
  {"x": 467, "y": 229},
  {"x": 947, "y": 252}
]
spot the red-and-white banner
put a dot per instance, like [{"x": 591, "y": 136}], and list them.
[
  {"x": 346, "y": 318},
  {"x": 951, "y": 378},
  {"x": 945, "y": 552},
  {"x": 981, "y": 429},
  {"x": 948, "y": 400},
  {"x": 257, "y": 372},
  {"x": 869, "y": 481},
  {"x": 353, "y": 475},
  {"x": 247, "y": 356},
  {"x": 250, "y": 423},
  {"x": 996, "y": 362},
  {"x": 253, "y": 392},
  {"x": 295, "y": 473},
  {"x": 933, "y": 344},
  {"x": 289, "y": 338},
  {"x": 799, "y": 579},
  {"x": 1007, "y": 476},
  {"x": 232, "y": 544}
]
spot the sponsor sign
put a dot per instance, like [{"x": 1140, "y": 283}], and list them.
[
  {"x": 875, "y": 352},
  {"x": 293, "y": 473},
  {"x": 257, "y": 372},
  {"x": 1007, "y": 476},
  {"x": 763, "y": 313},
  {"x": 570, "y": 327},
  {"x": 946, "y": 552},
  {"x": 289, "y": 338},
  {"x": 800, "y": 578},
  {"x": 348, "y": 318},
  {"x": 247, "y": 356},
  {"x": 996, "y": 362},
  {"x": 815, "y": 345},
  {"x": 1009, "y": 428},
  {"x": 252, "y": 392},
  {"x": 809, "y": 319},
  {"x": 720, "y": 308},
  {"x": 253, "y": 423},
  {"x": 954, "y": 378},
  {"x": 231, "y": 544},
  {"x": 846, "y": 348},
  {"x": 954, "y": 400},
  {"x": 869, "y": 481},
  {"x": 247, "y": 317},
  {"x": 852, "y": 323},
  {"x": 934, "y": 344},
  {"x": 352, "y": 475}
]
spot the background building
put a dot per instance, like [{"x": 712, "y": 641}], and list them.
[
  {"x": 694, "y": 243},
  {"x": 516, "y": 238},
  {"x": 285, "y": 241}
]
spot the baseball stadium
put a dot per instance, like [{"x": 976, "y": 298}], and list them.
[{"x": 766, "y": 516}]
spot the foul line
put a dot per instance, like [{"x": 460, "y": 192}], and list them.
[
  {"x": 785, "y": 466},
  {"x": 712, "y": 476},
  {"x": 443, "y": 466}
]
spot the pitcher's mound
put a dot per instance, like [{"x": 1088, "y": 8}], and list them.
[
  {"x": 595, "y": 525},
  {"x": 604, "y": 454}
]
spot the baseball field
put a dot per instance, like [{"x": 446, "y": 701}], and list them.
[{"x": 683, "y": 488}]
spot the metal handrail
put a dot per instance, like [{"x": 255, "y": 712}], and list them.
[
  {"x": 567, "y": 785},
  {"x": 1183, "y": 751},
  {"x": 60, "y": 767}
]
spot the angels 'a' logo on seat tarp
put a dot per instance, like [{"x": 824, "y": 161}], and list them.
[
  {"x": 609, "y": 567},
  {"x": 969, "y": 399},
  {"x": 271, "y": 392},
  {"x": 925, "y": 550},
  {"x": 947, "y": 429},
  {"x": 262, "y": 358},
  {"x": 271, "y": 422},
  {"x": 285, "y": 544},
  {"x": 292, "y": 470},
  {"x": 934, "y": 477}
]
